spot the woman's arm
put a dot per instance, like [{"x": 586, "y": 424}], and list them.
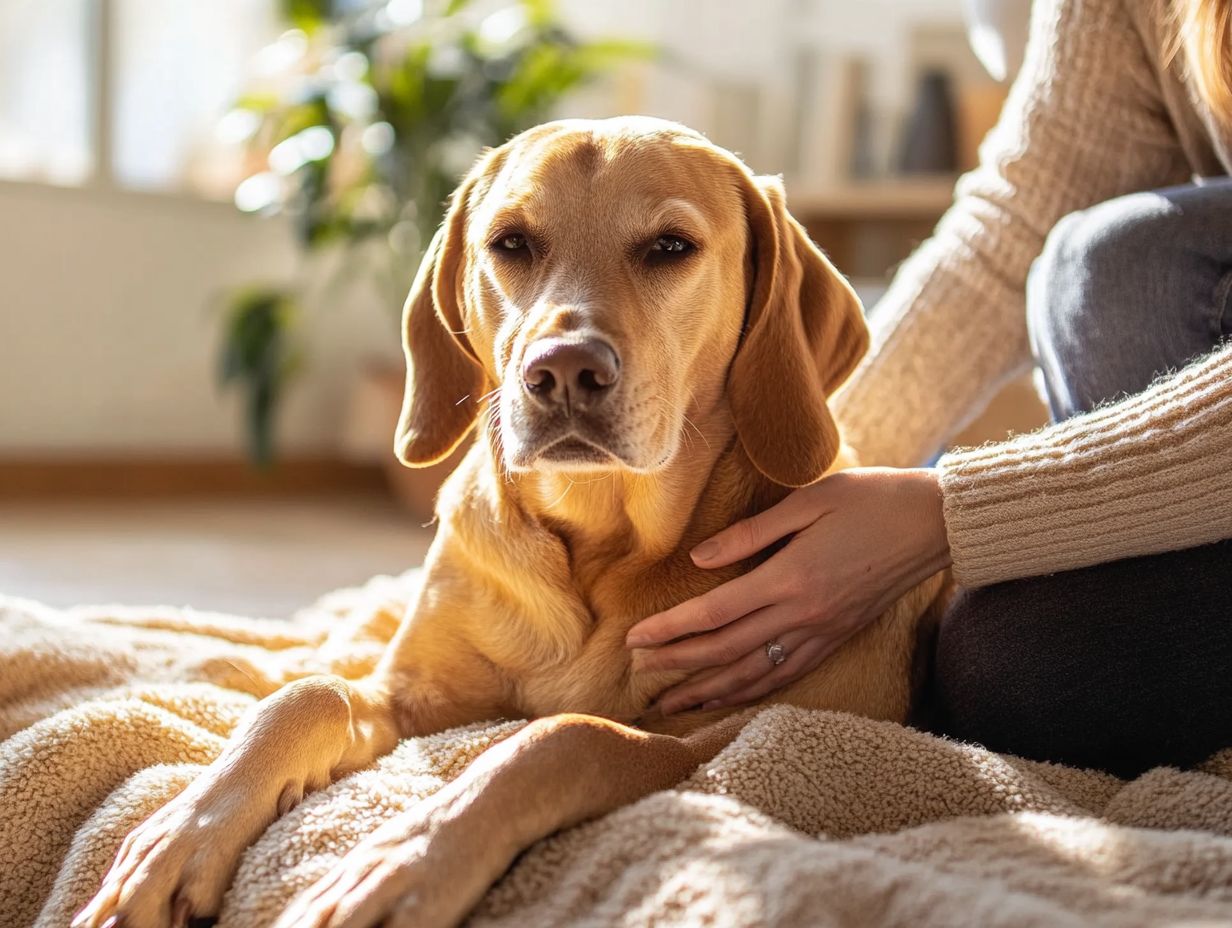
[
  {"x": 1084, "y": 122},
  {"x": 1151, "y": 473}
]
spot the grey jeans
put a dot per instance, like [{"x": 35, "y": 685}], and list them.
[
  {"x": 1128, "y": 290},
  {"x": 1127, "y": 665}
]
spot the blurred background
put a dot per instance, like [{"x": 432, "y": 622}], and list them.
[{"x": 210, "y": 214}]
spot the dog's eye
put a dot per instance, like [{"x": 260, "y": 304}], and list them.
[
  {"x": 667, "y": 249},
  {"x": 512, "y": 243},
  {"x": 666, "y": 245}
]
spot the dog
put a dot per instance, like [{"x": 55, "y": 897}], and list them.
[{"x": 642, "y": 339}]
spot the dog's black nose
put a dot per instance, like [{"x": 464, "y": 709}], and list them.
[{"x": 574, "y": 373}]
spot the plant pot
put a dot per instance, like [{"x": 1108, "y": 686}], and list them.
[{"x": 375, "y": 406}]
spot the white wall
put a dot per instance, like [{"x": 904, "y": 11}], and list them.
[{"x": 109, "y": 324}]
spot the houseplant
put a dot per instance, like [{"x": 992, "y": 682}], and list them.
[{"x": 376, "y": 111}]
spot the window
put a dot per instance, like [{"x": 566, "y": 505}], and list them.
[
  {"x": 124, "y": 92},
  {"x": 45, "y": 90}
]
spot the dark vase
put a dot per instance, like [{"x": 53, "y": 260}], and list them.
[{"x": 930, "y": 143}]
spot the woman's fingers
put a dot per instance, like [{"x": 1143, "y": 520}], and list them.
[
  {"x": 748, "y": 536},
  {"x": 801, "y": 658},
  {"x": 724, "y": 646},
  {"x": 707, "y": 612},
  {"x": 735, "y": 678}
]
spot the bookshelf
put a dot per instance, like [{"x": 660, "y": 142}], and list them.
[{"x": 867, "y": 228}]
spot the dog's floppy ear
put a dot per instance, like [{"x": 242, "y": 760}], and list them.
[
  {"x": 804, "y": 332},
  {"x": 444, "y": 379}
]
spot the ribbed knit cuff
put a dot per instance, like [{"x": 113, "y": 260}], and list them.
[{"x": 1151, "y": 473}]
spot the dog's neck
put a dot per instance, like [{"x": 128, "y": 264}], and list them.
[
  {"x": 642, "y": 514},
  {"x": 647, "y": 517}
]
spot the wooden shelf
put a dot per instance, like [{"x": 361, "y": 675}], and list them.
[
  {"x": 900, "y": 198},
  {"x": 867, "y": 228}
]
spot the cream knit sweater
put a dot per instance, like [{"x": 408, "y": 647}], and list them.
[{"x": 1095, "y": 113}]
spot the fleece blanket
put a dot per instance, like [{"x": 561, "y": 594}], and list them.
[{"x": 808, "y": 818}]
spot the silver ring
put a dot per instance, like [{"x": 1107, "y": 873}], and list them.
[{"x": 776, "y": 652}]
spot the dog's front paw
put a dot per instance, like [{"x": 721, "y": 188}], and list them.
[
  {"x": 420, "y": 868},
  {"x": 175, "y": 865}
]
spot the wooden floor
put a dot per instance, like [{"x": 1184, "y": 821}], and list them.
[{"x": 243, "y": 555}]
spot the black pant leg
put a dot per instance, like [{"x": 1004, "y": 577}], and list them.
[{"x": 1121, "y": 666}]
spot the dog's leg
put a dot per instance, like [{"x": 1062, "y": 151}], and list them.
[
  {"x": 178, "y": 863},
  {"x": 429, "y": 866}
]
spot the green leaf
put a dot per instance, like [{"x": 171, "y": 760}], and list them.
[
  {"x": 604, "y": 53},
  {"x": 263, "y": 103},
  {"x": 540, "y": 13},
  {"x": 312, "y": 111},
  {"x": 308, "y": 15},
  {"x": 258, "y": 359}
]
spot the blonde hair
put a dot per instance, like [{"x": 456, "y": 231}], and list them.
[{"x": 1203, "y": 32}]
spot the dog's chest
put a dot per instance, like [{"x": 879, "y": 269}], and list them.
[{"x": 596, "y": 676}]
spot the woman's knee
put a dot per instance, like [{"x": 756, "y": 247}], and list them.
[
  {"x": 1107, "y": 248},
  {"x": 1090, "y": 315},
  {"x": 1121, "y": 293}
]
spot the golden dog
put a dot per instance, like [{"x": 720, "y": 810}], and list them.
[{"x": 645, "y": 339}]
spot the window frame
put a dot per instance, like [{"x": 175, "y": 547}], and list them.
[{"x": 102, "y": 181}]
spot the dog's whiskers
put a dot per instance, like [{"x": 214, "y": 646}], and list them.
[
  {"x": 492, "y": 429},
  {"x": 700, "y": 434},
  {"x": 560, "y": 499},
  {"x": 689, "y": 422},
  {"x": 490, "y": 396}
]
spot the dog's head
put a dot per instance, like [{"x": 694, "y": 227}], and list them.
[{"x": 597, "y": 281}]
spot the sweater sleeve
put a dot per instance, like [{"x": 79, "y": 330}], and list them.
[
  {"x": 1084, "y": 122},
  {"x": 1145, "y": 475}
]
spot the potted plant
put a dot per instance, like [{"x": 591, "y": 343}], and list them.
[{"x": 377, "y": 110}]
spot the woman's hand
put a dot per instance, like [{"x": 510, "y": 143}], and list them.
[{"x": 860, "y": 539}]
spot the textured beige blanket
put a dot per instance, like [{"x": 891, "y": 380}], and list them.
[{"x": 808, "y": 818}]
